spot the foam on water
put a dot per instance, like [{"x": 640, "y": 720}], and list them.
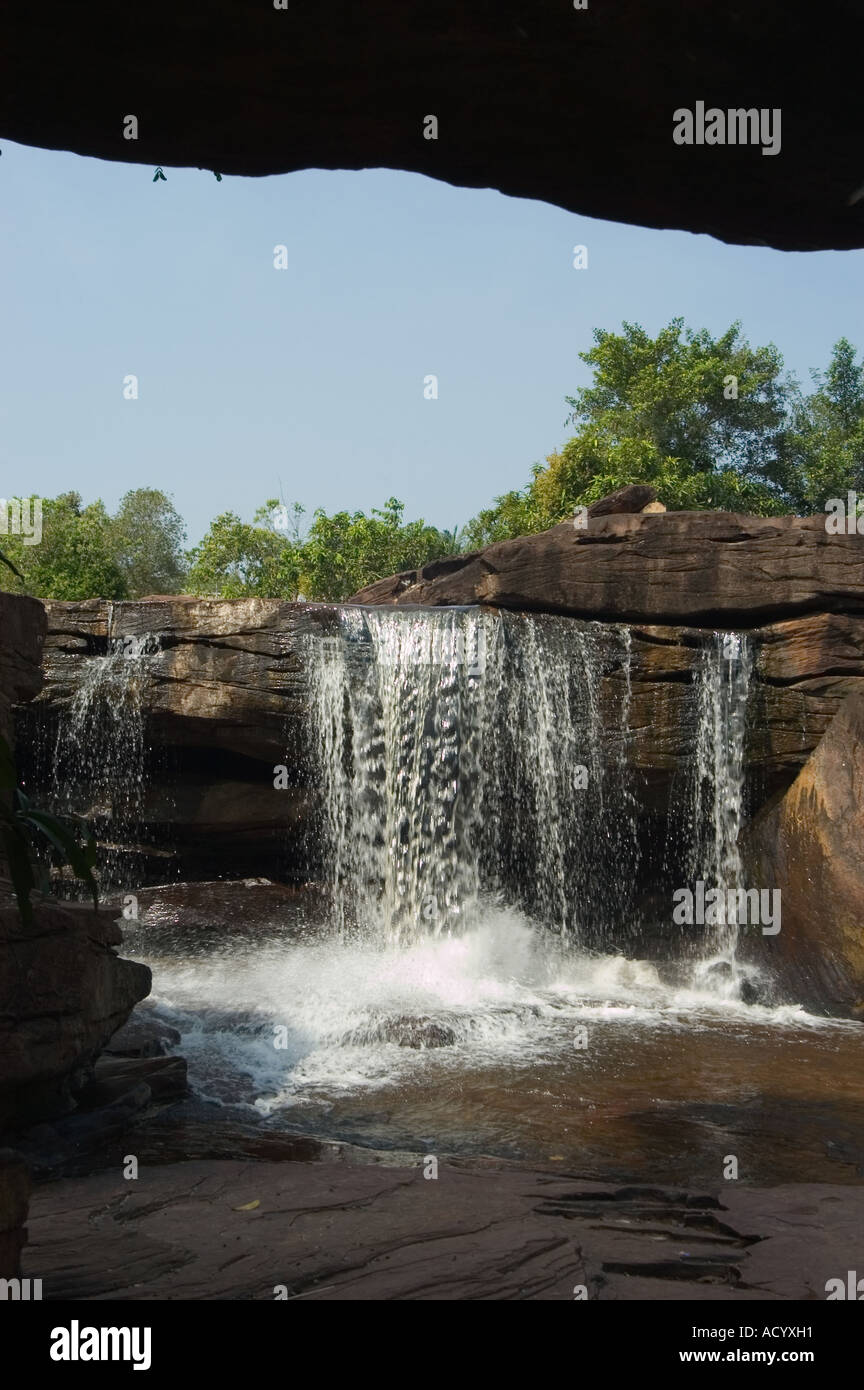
[
  {"x": 504, "y": 993},
  {"x": 480, "y": 837}
]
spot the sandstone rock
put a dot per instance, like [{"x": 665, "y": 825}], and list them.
[
  {"x": 336, "y": 1231},
  {"x": 701, "y": 568},
  {"x": 636, "y": 497},
  {"x": 361, "y": 82},
  {"x": 143, "y": 1035},
  {"x": 163, "y": 1078},
  {"x": 22, "y": 631},
  {"x": 63, "y": 993},
  {"x": 227, "y": 700},
  {"x": 229, "y": 674},
  {"x": 809, "y": 844},
  {"x": 244, "y": 905}
]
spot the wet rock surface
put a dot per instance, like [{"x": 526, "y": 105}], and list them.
[{"x": 241, "y": 1230}]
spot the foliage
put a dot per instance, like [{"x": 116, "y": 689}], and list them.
[
  {"x": 664, "y": 411},
  {"x": 338, "y": 555},
  {"x": 826, "y": 437},
  {"x": 85, "y": 553},
  {"x": 19, "y": 821},
  {"x": 710, "y": 422},
  {"x": 146, "y": 537},
  {"x": 74, "y": 559}
]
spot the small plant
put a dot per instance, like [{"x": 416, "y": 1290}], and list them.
[{"x": 19, "y": 820}]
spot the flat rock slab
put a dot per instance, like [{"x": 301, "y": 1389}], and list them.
[{"x": 479, "y": 1231}]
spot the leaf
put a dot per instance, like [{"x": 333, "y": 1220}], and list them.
[
  {"x": 78, "y": 859},
  {"x": 250, "y": 1206}
]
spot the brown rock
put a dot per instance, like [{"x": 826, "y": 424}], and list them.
[
  {"x": 678, "y": 567},
  {"x": 808, "y": 844},
  {"x": 636, "y": 497},
  {"x": 484, "y": 1231},
  {"x": 63, "y": 993},
  {"x": 22, "y": 631}
]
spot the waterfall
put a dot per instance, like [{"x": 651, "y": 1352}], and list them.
[
  {"x": 716, "y": 807},
  {"x": 100, "y": 751},
  {"x": 471, "y": 757}
]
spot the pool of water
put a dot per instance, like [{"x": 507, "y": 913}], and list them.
[{"x": 502, "y": 1041}]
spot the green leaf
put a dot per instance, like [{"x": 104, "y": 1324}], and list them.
[{"x": 78, "y": 859}]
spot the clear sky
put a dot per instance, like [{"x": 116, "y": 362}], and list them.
[{"x": 308, "y": 382}]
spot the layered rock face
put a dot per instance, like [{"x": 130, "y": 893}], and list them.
[
  {"x": 225, "y": 689},
  {"x": 226, "y": 701},
  {"x": 22, "y": 631},
  {"x": 582, "y": 115},
  {"x": 701, "y": 568},
  {"x": 63, "y": 992},
  {"x": 63, "y": 989},
  {"x": 810, "y": 841}
]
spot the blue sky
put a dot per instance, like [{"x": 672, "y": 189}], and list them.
[{"x": 309, "y": 381}]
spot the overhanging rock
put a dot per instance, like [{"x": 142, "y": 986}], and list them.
[{"x": 543, "y": 100}]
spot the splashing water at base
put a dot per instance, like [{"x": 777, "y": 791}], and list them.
[
  {"x": 499, "y": 1040},
  {"x": 506, "y": 1020}
]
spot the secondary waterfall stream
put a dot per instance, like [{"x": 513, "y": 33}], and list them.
[{"x": 474, "y": 970}]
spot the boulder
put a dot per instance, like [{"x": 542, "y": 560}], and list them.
[
  {"x": 143, "y": 1035},
  {"x": 226, "y": 906},
  {"x": 635, "y": 497},
  {"x": 701, "y": 568},
  {"x": 808, "y": 843},
  {"x": 63, "y": 993}
]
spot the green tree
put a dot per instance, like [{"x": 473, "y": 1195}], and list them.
[
  {"x": 338, "y": 555},
  {"x": 826, "y": 438},
  {"x": 237, "y": 560},
  {"x": 345, "y": 552},
  {"x": 74, "y": 559},
  {"x": 147, "y": 536},
  {"x": 703, "y": 419}
]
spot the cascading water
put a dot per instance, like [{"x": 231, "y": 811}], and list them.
[
  {"x": 477, "y": 964},
  {"x": 469, "y": 758},
  {"x": 716, "y": 806},
  {"x": 99, "y": 753}
]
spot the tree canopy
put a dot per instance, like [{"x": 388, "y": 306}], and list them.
[{"x": 710, "y": 422}]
